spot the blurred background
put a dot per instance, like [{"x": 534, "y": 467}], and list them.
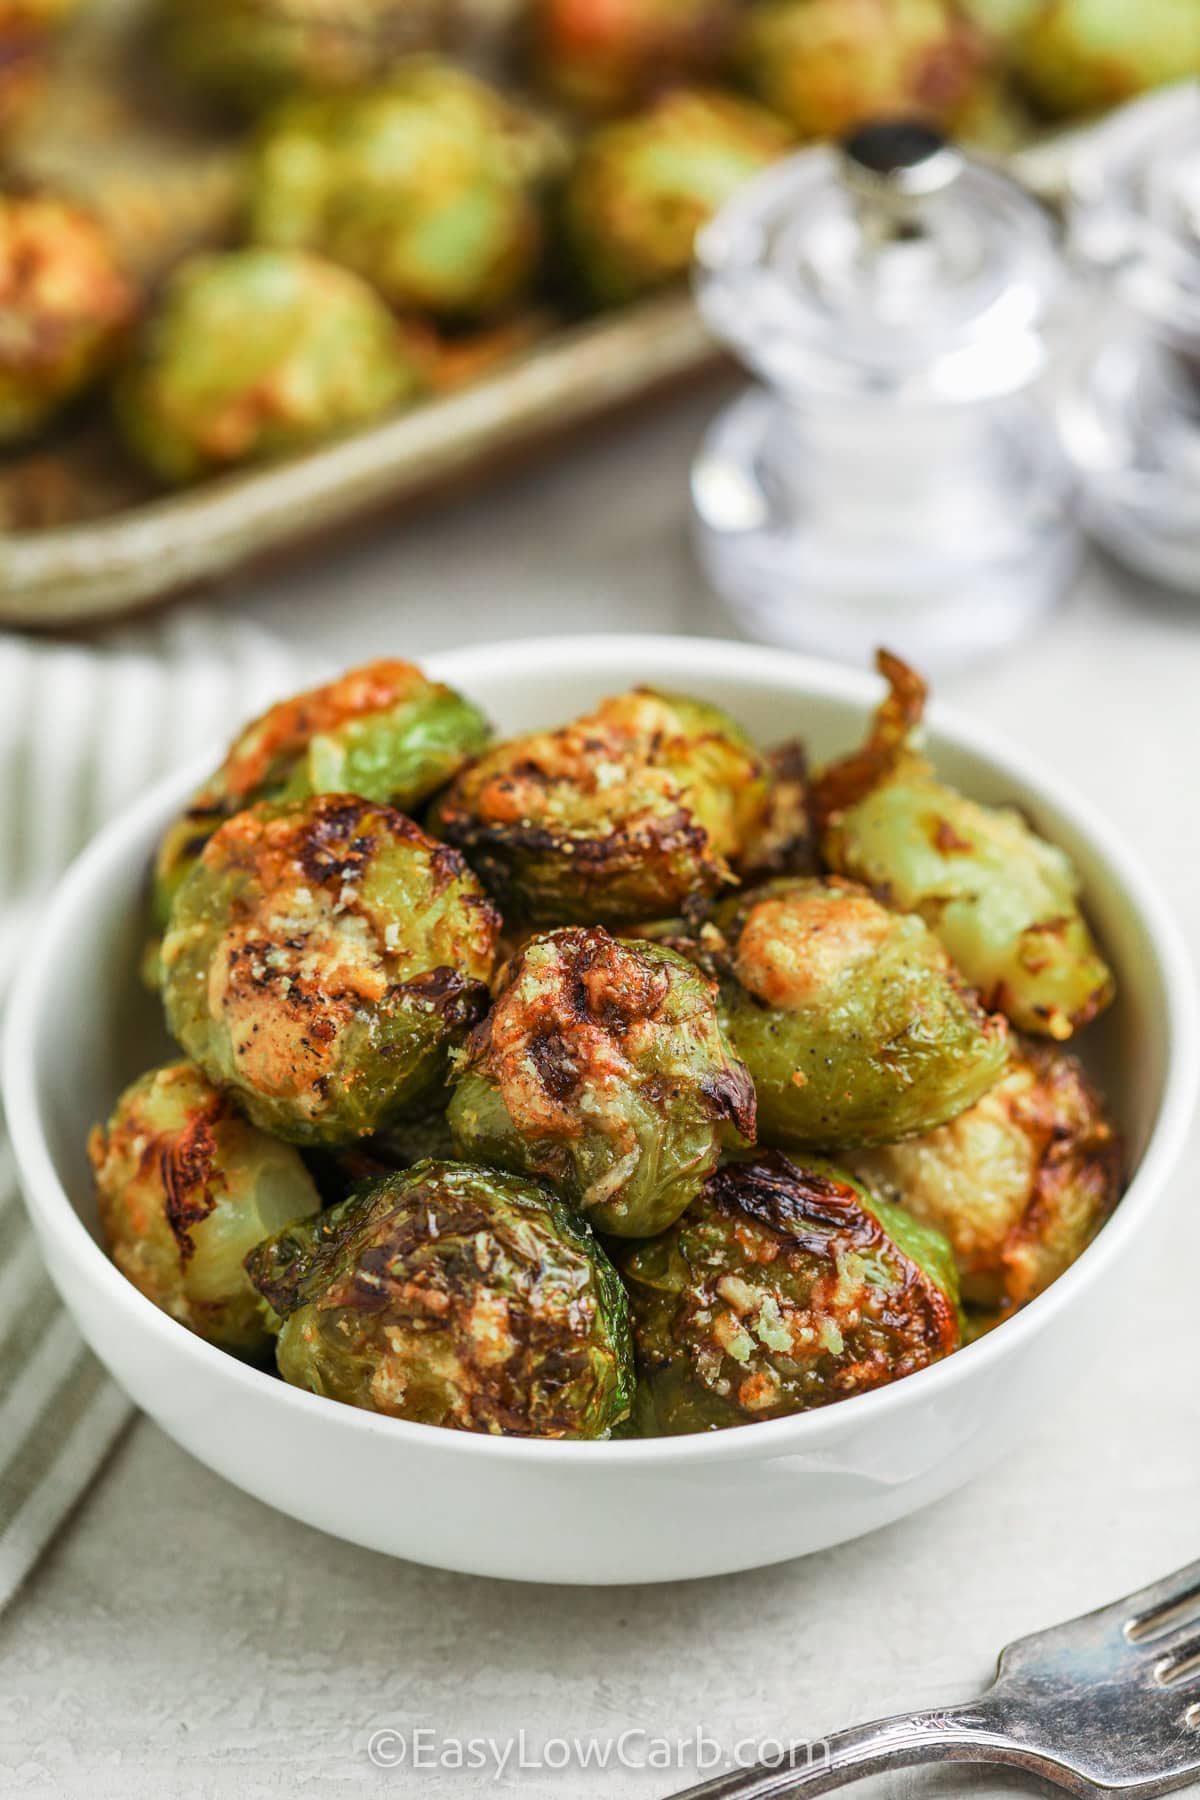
[{"x": 271, "y": 268}]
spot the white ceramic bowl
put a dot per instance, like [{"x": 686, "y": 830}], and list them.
[{"x": 80, "y": 1027}]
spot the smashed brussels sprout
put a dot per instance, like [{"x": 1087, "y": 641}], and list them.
[
  {"x": 1078, "y": 56},
  {"x": 785, "y": 1286},
  {"x": 65, "y": 307},
  {"x": 602, "y": 1068},
  {"x": 1003, "y": 901},
  {"x": 606, "y": 56},
  {"x": 852, "y": 1019},
  {"x": 622, "y": 815},
  {"x": 251, "y": 354},
  {"x": 829, "y": 65},
  {"x": 457, "y": 1296},
  {"x": 425, "y": 186},
  {"x": 383, "y": 731},
  {"x": 322, "y": 959},
  {"x": 1020, "y": 1183},
  {"x": 642, "y": 188},
  {"x": 253, "y": 52},
  {"x": 186, "y": 1189}
]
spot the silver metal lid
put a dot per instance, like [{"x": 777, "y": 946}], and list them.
[{"x": 892, "y": 265}]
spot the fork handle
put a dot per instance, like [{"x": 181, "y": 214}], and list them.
[{"x": 965, "y": 1734}]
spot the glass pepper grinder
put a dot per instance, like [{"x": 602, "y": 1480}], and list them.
[
  {"x": 1130, "y": 407},
  {"x": 895, "y": 476}
]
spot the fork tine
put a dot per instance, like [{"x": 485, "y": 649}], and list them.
[
  {"x": 1179, "y": 1662},
  {"x": 1158, "y": 1609}
]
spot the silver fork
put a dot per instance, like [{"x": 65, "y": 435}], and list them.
[{"x": 1107, "y": 1704}]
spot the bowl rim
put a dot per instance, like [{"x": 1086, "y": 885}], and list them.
[{"x": 56, "y": 1218}]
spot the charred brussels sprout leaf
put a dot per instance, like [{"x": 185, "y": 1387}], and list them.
[
  {"x": 851, "y": 1019},
  {"x": 785, "y": 1286},
  {"x": 642, "y": 188},
  {"x": 186, "y": 1189},
  {"x": 622, "y": 815},
  {"x": 829, "y": 65},
  {"x": 1003, "y": 901},
  {"x": 323, "y": 957},
  {"x": 254, "y": 354},
  {"x": 1020, "y": 1183},
  {"x": 65, "y": 307},
  {"x": 383, "y": 731},
  {"x": 457, "y": 1296},
  {"x": 784, "y": 842},
  {"x": 1077, "y": 56},
  {"x": 425, "y": 186},
  {"x": 604, "y": 58},
  {"x": 602, "y": 1068}
]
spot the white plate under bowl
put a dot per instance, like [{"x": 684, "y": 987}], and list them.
[{"x": 80, "y": 1027}]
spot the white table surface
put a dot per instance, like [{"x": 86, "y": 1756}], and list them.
[{"x": 181, "y": 1639}]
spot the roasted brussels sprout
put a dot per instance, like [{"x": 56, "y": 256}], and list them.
[
  {"x": 65, "y": 306},
  {"x": 829, "y": 65},
  {"x": 1003, "y": 901},
  {"x": 186, "y": 1190},
  {"x": 453, "y": 1295},
  {"x": 1077, "y": 56},
  {"x": 1020, "y": 1183},
  {"x": 622, "y": 815},
  {"x": 852, "y": 1019},
  {"x": 602, "y": 1068},
  {"x": 253, "y": 52},
  {"x": 602, "y": 57},
  {"x": 642, "y": 188},
  {"x": 383, "y": 731},
  {"x": 785, "y": 1286},
  {"x": 251, "y": 354},
  {"x": 323, "y": 956},
  {"x": 424, "y": 186},
  {"x": 1002, "y": 20}
]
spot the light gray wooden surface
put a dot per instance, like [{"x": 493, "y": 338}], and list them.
[{"x": 181, "y": 1640}]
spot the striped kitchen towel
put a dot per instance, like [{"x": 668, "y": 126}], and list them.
[{"x": 82, "y": 730}]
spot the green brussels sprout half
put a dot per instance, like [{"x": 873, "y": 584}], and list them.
[
  {"x": 253, "y": 354},
  {"x": 829, "y": 65},
  {"x": 785, "y": 1286},
  {"x": 852, "y": 1019},
  {"x": 322, "y": 959},
  {"x": 1078, "y": 56},
  {"x": 1003, "y": 901},
  {"x": 603, "y": 57},
  {"x": 250, "y": 53},
  {"x": 602, "y": 1069},
  {"x": 458, "y": 1296},
  {"x": 65, "y": 308},
  {"x": 425, "y": 186},
  {"x": 1020, "y": 1183},
  {"x": 186, "y": 1189},
  {"x": 382, "y": 731},
  {"x": 622, "y": 815},
  {"x": 642, "y": 187}
]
